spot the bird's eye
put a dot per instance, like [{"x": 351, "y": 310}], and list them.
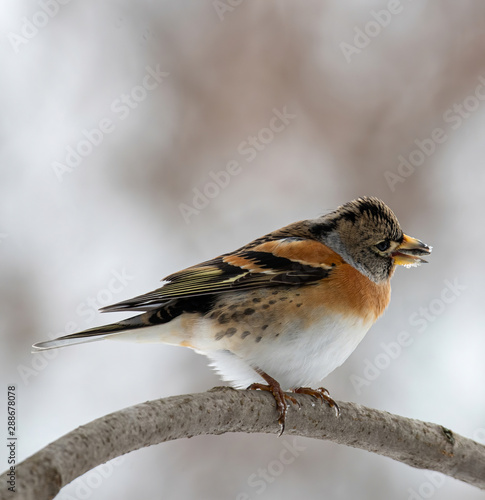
[{"x": 383, "y": 245}]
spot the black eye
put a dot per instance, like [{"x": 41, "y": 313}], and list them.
[{"x": 383, "y": 245}]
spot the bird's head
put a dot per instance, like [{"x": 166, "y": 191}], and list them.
[{"x": 367, "y": 235}]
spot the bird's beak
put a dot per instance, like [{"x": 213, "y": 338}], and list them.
[{"x": 406, "y": 254}]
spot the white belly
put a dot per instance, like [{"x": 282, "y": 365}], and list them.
[{"x": 296, "y": 358}]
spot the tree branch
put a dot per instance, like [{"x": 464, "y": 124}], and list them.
[{"x": 220, "y": 410}]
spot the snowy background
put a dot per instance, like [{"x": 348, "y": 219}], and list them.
[{"x": 386, "y": 99}]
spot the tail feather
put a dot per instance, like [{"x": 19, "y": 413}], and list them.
[{"x": 93, "y": 334}]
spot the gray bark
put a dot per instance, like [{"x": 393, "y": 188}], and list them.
[{"x": 220, "y": 410}]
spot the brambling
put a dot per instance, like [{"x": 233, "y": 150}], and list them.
[{"x": 282, "y": 311}]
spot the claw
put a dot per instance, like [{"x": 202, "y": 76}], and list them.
[
  {"x": 280, "y": 397},
  {"x": 321, "y": 394}
]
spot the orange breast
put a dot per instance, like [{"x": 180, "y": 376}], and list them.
[{"x": 346, "y": 291}]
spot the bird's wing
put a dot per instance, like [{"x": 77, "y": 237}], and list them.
[{"x": 263, "y": 263}]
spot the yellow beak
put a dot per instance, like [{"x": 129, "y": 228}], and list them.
[{"x": 406, "y": 254}]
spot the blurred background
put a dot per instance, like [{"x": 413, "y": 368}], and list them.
[{"x": 139, "y": 138}]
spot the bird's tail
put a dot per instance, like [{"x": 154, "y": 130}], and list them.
[{"x": 93, "y": 334}]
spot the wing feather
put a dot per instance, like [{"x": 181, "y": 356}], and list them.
[{"x": 269, "y": 264}]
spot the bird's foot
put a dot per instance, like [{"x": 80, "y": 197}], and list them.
[{"x": 280, "y": 396}]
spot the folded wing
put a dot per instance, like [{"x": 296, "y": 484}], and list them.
[{"x": 288, "y": 261}]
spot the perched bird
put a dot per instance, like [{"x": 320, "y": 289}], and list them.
[{"x": 283, "y": 311}]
